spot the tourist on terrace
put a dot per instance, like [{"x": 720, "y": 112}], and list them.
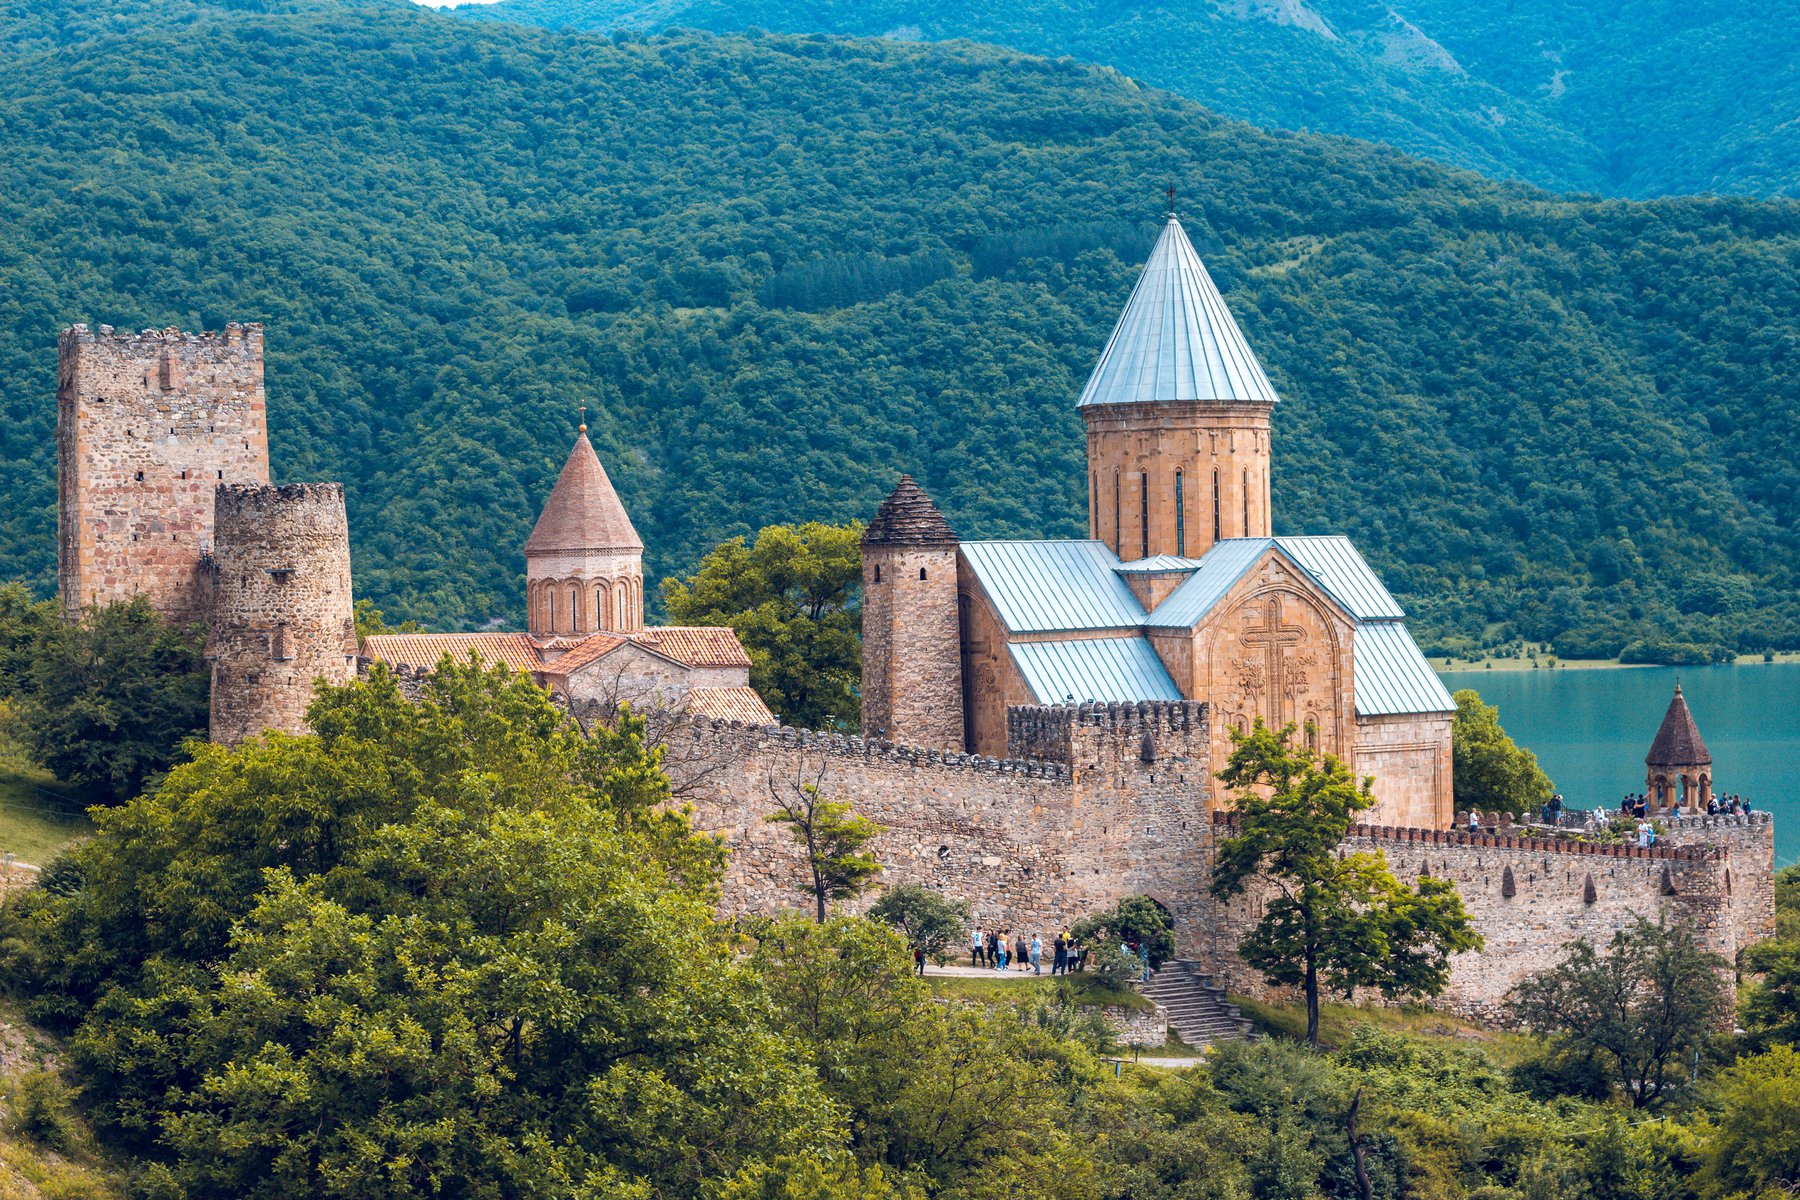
[
  {"x": 977, "y": 945},
  {"x": 919, "y": 959},
  {"x": 1037, "y": 955},
  {"x": 1000, "y": 950},
  {"x": 1474, "y": 820},
  {"x": 1021, "y": 953},
  {"x": 1060, "y": 963}
]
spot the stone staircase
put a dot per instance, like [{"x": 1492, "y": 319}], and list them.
[{"x": 1197, "y": 1008}]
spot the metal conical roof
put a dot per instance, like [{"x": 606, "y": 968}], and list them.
[
  {"x": 1678, "y": 742},
  {"x": 908, "y": 518},
  {"x": 583, "y": 512},
  {"x": 1176, "y": 339}
]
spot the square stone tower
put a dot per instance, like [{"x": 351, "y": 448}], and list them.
[{"x": 148, "y": 426}]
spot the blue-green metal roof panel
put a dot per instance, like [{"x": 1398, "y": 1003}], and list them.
[
  {"x": 1098, "y": 669},
  {"x": 1220, "y": 567},
  {"x": 1054, "y": 586},
  {"x": 1156, "y": 564},
  {"x": 1392, "y": 676},
  {"x": 1176, "y": 340},
  {"x": 1337, "y": 566}
]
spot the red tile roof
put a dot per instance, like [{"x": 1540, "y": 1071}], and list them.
[
  {"x": 423, "y": 651},
  {"x": 595, "y": 646},
  {"x": 583, "y": 512},
  {"x": 697, "y": 645},
  {"x": 730, "y": 704}
]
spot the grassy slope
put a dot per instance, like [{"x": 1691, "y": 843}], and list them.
[
  {"x": 38, "y": 816},
  {"x": 59, "y": 1160}
]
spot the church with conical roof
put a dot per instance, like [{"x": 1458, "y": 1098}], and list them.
[
  {"x": 1181, "y": 591},
  {"x": 584, "y": 597}
]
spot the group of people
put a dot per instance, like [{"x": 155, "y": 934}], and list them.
[
  {"x": 1636, "y": 804},
  {"x": 1003, "y": 949}
]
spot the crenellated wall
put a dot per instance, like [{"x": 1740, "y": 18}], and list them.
[{"x": 1107, "y": 801}]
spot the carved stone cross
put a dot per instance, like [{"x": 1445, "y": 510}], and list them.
[{"x": 1274, "y": 638}]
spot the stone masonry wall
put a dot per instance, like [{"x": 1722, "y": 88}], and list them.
[
  {"x": 912, "y": 660},
  {"x": 148, "y": 424},
  {"x": 1029, "y": 845},
  {"x": 282, "y": 611},
  {"x": 1529, "y": 898}
]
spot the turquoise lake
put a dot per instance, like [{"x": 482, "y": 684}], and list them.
[{"x": 1590, "y": 729}]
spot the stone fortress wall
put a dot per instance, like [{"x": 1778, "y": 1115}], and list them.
[
  {"x": 1108, "y": 801},
  {"x": 148, "y": 424},
  {"x": 281, "y": 609}
]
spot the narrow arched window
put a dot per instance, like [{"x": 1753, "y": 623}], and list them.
[
  {"x": 1216, "y": 533},
  {"x": 877, "y": 572},
  {"x": 921, "y": 572},
  {"x": 1118, "y": 524},
  {"x": 1094, "y": 501},
  {"x": 1180, "y": 520},
  {"x": 1144, "y": 499}
]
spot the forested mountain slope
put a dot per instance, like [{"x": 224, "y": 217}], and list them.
[
  {"x": 783, "y": 270},
  {"x": 1631, "y": 98}
]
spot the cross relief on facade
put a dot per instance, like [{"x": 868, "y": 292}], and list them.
[{"x": 1281, "y": 677}]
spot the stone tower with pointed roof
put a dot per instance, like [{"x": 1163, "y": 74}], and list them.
[
  {"x": 1679, "y": 767},
  {"x": 584, "y": 563},
  {"x": 912, "y": 660},
  {"x": 1177, "y": 417}
]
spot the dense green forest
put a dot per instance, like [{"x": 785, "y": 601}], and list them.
[
  {"x": 783, "y": 269},
  {"x": 1634, "y": 98}
]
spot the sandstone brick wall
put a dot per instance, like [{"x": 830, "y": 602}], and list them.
[
  {"x": 1028, "y": 844},
  {"x": 912, "y": 664},
  {"x": 282, "y": 609},
  {"x": 148, "y": 424},
  {"x": 1529, "y": 899},
  {"x": 1410, "y": 758}
]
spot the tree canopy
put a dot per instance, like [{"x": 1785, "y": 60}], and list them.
[
  {"x": 1490, "y": 771},
  {"x": 792, "y": 596},
  {"x": 1537, "y": 415},
  {"x": 1331, "y": 921}
]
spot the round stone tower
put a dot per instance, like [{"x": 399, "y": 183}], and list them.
[
  {"x": 281, "y": 605},
  {"x": 584, "y": 563},
  {"x": 1177, "y": 413},
  {"x": 912, "y": 641}
]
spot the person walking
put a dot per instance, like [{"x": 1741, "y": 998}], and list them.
[
  {"x": 919, "y": 958},
  {"x": 1037, "y": 955},
  {"x": 976, "y": 945},
  {"x": 1021, "y": 953},
  {"x": 993, "y": 950},
  {"x": 1060, "y": 962},
  {"x": 1000, "y": 952}
]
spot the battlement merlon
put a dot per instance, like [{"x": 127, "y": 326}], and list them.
[
  {"x": 248, "y": 333},
  {"x": 1083, "y": 734}
]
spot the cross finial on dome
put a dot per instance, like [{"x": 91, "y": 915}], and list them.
[{"x": 1171, "y": 194}]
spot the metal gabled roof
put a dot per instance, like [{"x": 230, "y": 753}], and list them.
[
  {"x": 1156, "y": 564},
  {"x": 1097, "y": 669},
  {"x": 1176, "y": 340},
  {"x": 1054, "y": 586},
  {"x": 1220, "y": 567},
  {"x": 1392, "y": 676},
  {"x": 1333, "y": 561}
]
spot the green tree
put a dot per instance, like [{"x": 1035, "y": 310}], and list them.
[
  {"x": 925, "y": 918},
  {"x": 1643, "y": 1005},
  {"x": 1754, "y": 1147},
  {"x": 1135, "y": 919},
  {"x": 1337, "y": 921},
  {"x": 1490, "y": 772},
  {"x": 371, "y": 620},
  {"x": 449, "y": 944},
  {"x": 791, "y": 596},
  {"x": 24, "y": 624},
  {"x": 833, "y": 838},
  {"x": 108, "y": 701}
]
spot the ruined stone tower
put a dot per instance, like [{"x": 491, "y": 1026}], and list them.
[
  {"x": 148, "y": 424},
  {"x": 912, "y": 660},
  {"x": 1177, "y": 417},
  {"x": 584, "y": 563},
  {"x": 281, "y": 613}
]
